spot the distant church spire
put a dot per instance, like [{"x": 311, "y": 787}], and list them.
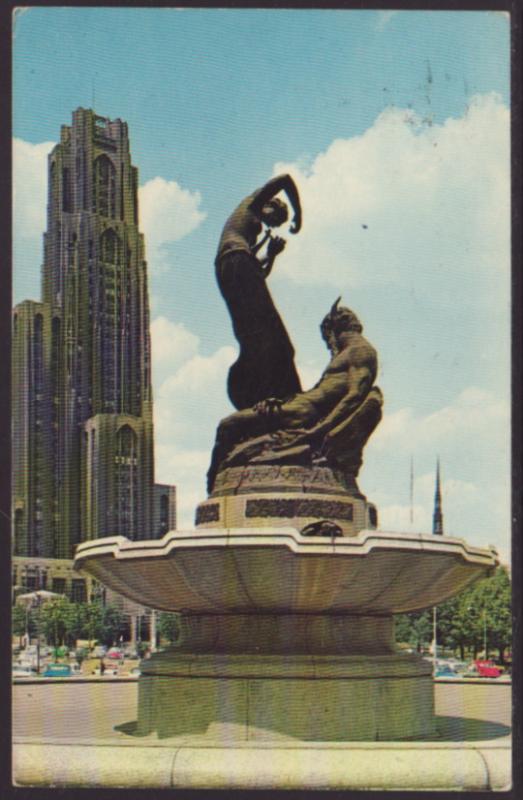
[{"x": 437, "y": 517}]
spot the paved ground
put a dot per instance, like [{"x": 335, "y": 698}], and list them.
[{"x": 107, "y": 709}]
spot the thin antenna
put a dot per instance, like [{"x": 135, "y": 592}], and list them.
[
  {"x": 411, "y": 492},
  {"x": 93, "y": 94}
]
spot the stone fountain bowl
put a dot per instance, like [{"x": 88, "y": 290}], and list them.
[{"x": 278, "y": 570}]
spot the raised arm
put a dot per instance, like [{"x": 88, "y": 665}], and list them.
[{"x": 282, "y": 183}]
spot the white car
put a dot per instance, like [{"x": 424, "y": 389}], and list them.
[
  {"x": 107, "y": 671},
  {"x": 22, "y": 671}
]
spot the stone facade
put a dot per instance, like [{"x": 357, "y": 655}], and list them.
[
  {"x": 53, "y": 575},
  {"x": 82, "y": 399}
]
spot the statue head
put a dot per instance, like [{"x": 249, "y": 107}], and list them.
[
  {"x": 274, "y": 212},
  {"x": 338, "y": 320}
]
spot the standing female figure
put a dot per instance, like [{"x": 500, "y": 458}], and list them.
[{"x": 265, "y": 366}]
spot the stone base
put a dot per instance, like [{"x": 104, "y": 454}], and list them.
[
  {"x": 449, "y": 766},
  {"x": 285, "y": 496},
  {"x": 282, "y": 634},
  {"x": 272, "y": 697}
]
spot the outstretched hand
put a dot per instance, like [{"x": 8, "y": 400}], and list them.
[{"x": 275, "y": 246}]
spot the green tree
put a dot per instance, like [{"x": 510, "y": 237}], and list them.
[
  {"x": 490, "y": 610},
  {"x": 91, "y": 616},
  {"x": 56, "y": 619},
  {"x": 100, "y": 623},
  {"x": 414, "y": 629},
  {"x": 169, "y": 626},
  {"x": 463, "y": 621},
  {"x": 112, "y": 625},
  {"x": 453, "y": 629},
  {"x": 20, "y": 619}
]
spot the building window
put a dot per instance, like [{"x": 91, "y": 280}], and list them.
[
  {"x": 59, "y": 585},
  {"x": 19, "y": 532},
  {"x": 78, "y": 590},
  {"x": 66, "y": 191},
  {"x": 126, "y": 479},
  {"x": 104, "y": 186},
  {"x": 109, "y": 247}
]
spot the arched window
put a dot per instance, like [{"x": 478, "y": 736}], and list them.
[
  {"x": 104, "y": 186},
  {"x": 127, "y": 482}
]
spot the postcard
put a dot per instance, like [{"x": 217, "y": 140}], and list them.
[{"x": 261, "y": 398}]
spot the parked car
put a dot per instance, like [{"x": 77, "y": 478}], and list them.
[
  {"x": 115, "y": 653},
  {"x": 57, "y": 671},
  {"x": 27, "y": 662},
  {"x": 459, "y": 667},
  {"x": 487, "y": 668},
  {"x": 444, "y": 671},
  {"x": 107, "y": 671},
  {"x": 22, "y": 671},
  {"x": 99, "y": 651}
]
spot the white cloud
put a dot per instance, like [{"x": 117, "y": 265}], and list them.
[
  {"x": 30, "y": 188},
  {"x": 188, "y": 406},
  {"x": 434, "y": 199},
  {"x": 167, "y": 213},
  {"x": 474, "y": 415},
  {"x": 172, "y": 344},
  {"x": 471, "y": 435}
]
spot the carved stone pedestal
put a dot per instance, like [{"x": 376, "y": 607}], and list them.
[
  {"x": 304, "y": 677},
  {"x": 286, "y": 496}
]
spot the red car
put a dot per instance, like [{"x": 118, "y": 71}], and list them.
[
  {"x": 115, "y": 653},
  {"x": 487, "y": 669}
]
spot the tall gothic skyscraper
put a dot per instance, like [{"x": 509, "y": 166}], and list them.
[{"x": 82, "y": 399}]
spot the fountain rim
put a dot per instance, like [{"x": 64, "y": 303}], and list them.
[{"x": 366, "y": 541}]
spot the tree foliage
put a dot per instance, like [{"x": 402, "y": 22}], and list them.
[
  {"x": 20, "y": 619},
  {"x": 56, "y": 619},
  {"x": 462, "y": 623},
  {"x": 169, "y": 626},
  {"x": 63, "y": 622}
]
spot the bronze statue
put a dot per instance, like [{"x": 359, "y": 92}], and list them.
[
  {"x": 265, "y": 366},
  {"x": 330, "y": 423}
]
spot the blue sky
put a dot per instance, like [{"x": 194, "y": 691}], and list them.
[{"x": 393, "y": 120}]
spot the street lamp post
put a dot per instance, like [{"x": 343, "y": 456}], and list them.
[
  {"x": 435, "y": 634},
  {"x": 38, "y": 600}
]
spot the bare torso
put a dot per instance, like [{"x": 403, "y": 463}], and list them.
[
  {"x": 355, "y": 362},
  {"x": 241, "y": 229}
]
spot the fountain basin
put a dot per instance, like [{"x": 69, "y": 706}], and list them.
[{"x": 246, "y": 571}]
